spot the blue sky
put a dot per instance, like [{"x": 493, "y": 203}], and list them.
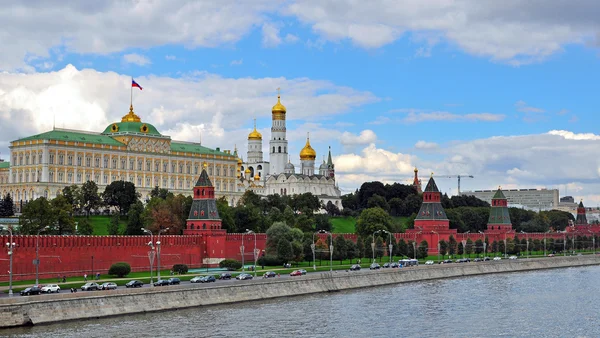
[{"x": 505, "y": 91}]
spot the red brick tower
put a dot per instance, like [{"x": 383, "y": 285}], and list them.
[
  {"x": 581, "y": 216},
  {"x": 417, "y": 181},
  {"x": 499, "y": 220},
  {"x": 204, "y": 216}
]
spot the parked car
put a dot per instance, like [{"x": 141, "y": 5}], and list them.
[
  {"x": 386, "y": 265},
  {"x": 174, "y": 281},
  {"x": 51, "y": 288},
  {"x": 429, "y": 263},
  {"x": 197, "y": 279},
  {"x": 34, "y": 290},
  {"x": 478, "y": 260},
  {"x": 161, "y": 282},
  {"x": 550, "y": 255},
  {"x": 446, "y": 261},
  {"x": 208, "y": 279},
  {"x": 303, "y": 271},
  {"x": 108, "y": 286},
  {"x": 269, "y": 274},
  {"x": 134, "y": 284},
  {"x": 497, "y": 258},
  {"x": 374, "y": 266},
  {"x": 91, "y": 286},
  {"x": 485, "y": 259},
  {"x": 244, "y": 276},
  {"x": 355, "y": 267},
  {"x": 296, "y": 273},
  {"x": 512, "y": 257},
  {"x": 225, "y": 275}
]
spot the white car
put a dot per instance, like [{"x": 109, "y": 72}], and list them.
[
  {"x": 497, "y": 258},
  {"x": 429, "y": 263},
  {"x": 512, "y": 257},
  {"x": 51, "y": 288}
]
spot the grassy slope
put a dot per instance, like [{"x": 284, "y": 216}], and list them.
[
  {"x": 99, "y": 224},
  {"x": 348, "y": 224}
]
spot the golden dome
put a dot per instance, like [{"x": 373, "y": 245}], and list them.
[
  {"x": 239, "y": 161},
  {"x": 255, "y": 135},
  {"x": 256, "y": 178},
  {"x": 308, "y": 153},
  {"x": 247, "y": 171},
  {"x": 416, "y": 170},
  {"x": 278, "y": 110},
  {"x": 131, "y": 117}
]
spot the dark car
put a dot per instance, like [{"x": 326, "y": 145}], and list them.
[
  {"x": 386, "y": 265},
  {"x": 174, "y": 281},
  {"x": 225, "y": 275},
  {"x": 269, "y": 274},
  {"x": 485, "y": 259},
  {"x": 92, "y": 286},
  {"x": 134, "y": 284},
  {"x": 478, "y": 260},
  {"x": 355, "y": 267},
  {"x": 161, "y": 282},
  {"x": 34, "y": 290},
  {"x": 394, "y": 265},
  {"x": 374, "y": 266},
  {"x": 208, "y": 279},
  {"x": 244, "y": 276}
]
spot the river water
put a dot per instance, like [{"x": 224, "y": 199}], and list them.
[{"x": 547, "y": 303}]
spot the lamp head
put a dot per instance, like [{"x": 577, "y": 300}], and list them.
[
  {"x": 157, "y": 242},
  {"x": 149, "y": 243}
]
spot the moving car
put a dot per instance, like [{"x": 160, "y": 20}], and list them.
[
  {"x": 296, "y": 273},
  {"x": 512, "y": 257},
  {"x": 91, "y": 286},
  {"x": 355, "y": 267},
  {"x": 108, "y": 286},
  {"x": 208, "y": 279},
  {"x": 374, "y": 266},
  {"x": 485, "y": 259},
  {"x": 269, "y": 274},
  {"x": 174, "y": 281},
  {"x": 429, "y": 263},
  {"x": 303, "y": 271},
  {"x": 34, "y": 290},
  {"x": 197, "y": 279},
  {"x": 244, "y": 276},
  {"x": 386, "y": 265},
  {"x": 51, "y": 288},
  {"x": 497, "y": 258},
  {"x": 161, "y": 282},
  {"x": 225, "y": 275},
  {"x": 394, "y": 265},
  {"x": 134, "y": 284}
]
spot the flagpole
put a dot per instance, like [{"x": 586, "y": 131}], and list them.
[{"x": 131, "y": 97}]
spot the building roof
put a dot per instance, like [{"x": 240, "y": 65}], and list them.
[
  {"x": 431, "y": 186},
  {"x": 432, "y": 211},
  {"x": 581, "y": 204},
  {"x": 499, "y": 195},
  {"x": 196, "y": 148},
  {"x": 122, "y": 128},
  {"x": 203, "y": 180},
  {"x": 499, "y": 215},
  {"x": 72, "y": 135},
  {"x": 4, "y": 165}
]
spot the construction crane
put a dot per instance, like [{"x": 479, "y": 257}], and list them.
[{"x": 456, "y": 176}]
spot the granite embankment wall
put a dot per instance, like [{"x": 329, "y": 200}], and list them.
[{"x": 62, "y": 307}]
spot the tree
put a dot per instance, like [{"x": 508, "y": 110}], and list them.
[
  {"x": 351, "y": 250},
  {"x": 120, "y": 269},
  {"x": 350, "y": 201},
  {"x": 478, "y": 246},
  {"x": 113, "y": 226},
  {"x": 323, "y": 222},
  {"x": 180, "y": 268},
  {"x": 36, "y": 215},
  {"x": 332, "y": 209},
  {"x": 372, "y": 219},
  {"x": 443, "y": 247},
  {"x": 396, "y": 206},
  {"x": 306, "y": 203},
  {"x": 469, "y": 246},
  {"x": 275, "y": 233},
  {"x": 275, "y": 215},
  {"x": 367, "y": 190},
  {"x": 412, "y": 204},
  {"x": 378, "y": 201},
  {"x": 226, "y": 213},
  {"x": 85, "y": 228},
  {"x": 422, "y": 250},
  {"x": 289, "y": 216},
  {"x": 63, "y": 211},
  {"x": 379, "y": 247},
  {"x": 360, "y": 248},
  {"x": 402, "y": 247},
  {"x": 297, "y": 250},
  {"x": 250, "y": 198},
  {"x": 230, "y": 264},
  {"x": 134, "y": 219},
  {"x": 451, "y": 245},
  {"x": 72, "y": 194},
  {"x": 90, "y": 199},
  {"x": 121, "y": 195},
  {"x": 284, "y": 250},
  {"x": 339, "y": 248},
  {"x": 6, "y": 206},
  {"x": 304, "y": 223},
  {"x": 161, "y": 193}
]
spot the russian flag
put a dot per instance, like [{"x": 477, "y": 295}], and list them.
[{"x": 135, "y": 84}]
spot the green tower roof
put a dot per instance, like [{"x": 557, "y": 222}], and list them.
[
  {"x": 203, "y": 180},
  {"x": 499, "y": 195}
]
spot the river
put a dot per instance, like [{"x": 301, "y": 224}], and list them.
[{"x": 546, "y": 303}]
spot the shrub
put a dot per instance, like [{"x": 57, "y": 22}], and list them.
[
  {"x": 180, "y": 268},
  {"x": 269, "y": 260},
  {"x": 230, "y": 264},
  {"x": 120, "y": 269}
]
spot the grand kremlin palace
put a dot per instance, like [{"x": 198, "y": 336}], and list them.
[{"x": 130, "y": 150}]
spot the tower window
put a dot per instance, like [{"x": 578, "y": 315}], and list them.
[
  {"x": 279, "y": 149},
  {"x": 273, "y": 149}
]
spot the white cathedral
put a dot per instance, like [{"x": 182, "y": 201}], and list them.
[{"x": 279, "y": 175}]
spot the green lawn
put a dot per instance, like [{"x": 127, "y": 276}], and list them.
[
  {"x": 343, "y": 225},
  {"x": 99, "y": 224}
]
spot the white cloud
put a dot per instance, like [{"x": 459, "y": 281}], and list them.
[
  {"x": 365, "y": 137},
  {"x": 447, "y": 116},
  {"x": 517, "y": 31},
  {"x": 291, "y": 38},
  {"x": 136, "y": 59},
  {"x": 237, "y": 62},
  {"x": 426, "y": 145},
  {"x": 524, "y": 108},
  {"x": 270, "y": 35},
  {"x": 170, "y": 57},
  {"x": 569, "y": 135}
]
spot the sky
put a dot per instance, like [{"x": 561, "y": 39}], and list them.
[{"x": 505, "y": 91}]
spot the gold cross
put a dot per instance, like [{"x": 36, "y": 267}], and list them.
[{"x": 278, "y": 91}]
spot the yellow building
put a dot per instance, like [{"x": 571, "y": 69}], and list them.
[{"x": 130, "y": 150}]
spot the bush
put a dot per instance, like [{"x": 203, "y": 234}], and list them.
[
  {"x": 270, "y": 261},
  {"x": 120, "y": 269},
  {"x": 180, "y": 268},
  {"x": 230, "y": 264}
]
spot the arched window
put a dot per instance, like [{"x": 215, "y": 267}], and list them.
[
  {"x": 279, "y": 149},
  {"x": 273, "y": 149}
]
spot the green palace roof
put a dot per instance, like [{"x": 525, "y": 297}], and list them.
[
  {"x": 70, "y": 135},
  {"x": 122, "y": 128},
  {"x": 4, "y": 165}
]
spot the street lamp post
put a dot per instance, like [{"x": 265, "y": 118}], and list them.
[
  {"x": 545, "y": 242},
  {"x": 438, "y": 243},
  {"x": 415, "y": 244},
  {"x": 390, "y": 246},
  {"x": 373, "y": 244},
  {"x": 505, "y": 244},
  {"x": 248, "y": 231},
  {"x": 593, "y": 241},
  {"x": 242, "y": 251},
  {"x": 484, "y": 244},
  {"x": 464, "y": 243},
  {"x": 151, "y": 252},
  {"x": 11, "y": 247},
  {"x": 37, "y": 255},
  {"x": 313, "y": 247},
  {"x": 158, "y": 252},
  {"x": 565, "y": 243},
  {"x": 527, "y": 242}
]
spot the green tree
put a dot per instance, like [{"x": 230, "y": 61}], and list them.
[
  {"x": 339, "y": 248},
  {"x": 85, "y": 228},
  {"x": 461, "y": 250},
  {"x": 410, "y": 252},
  {"x": 360, "y": 248},
  {"x": 402, "y": 247},
  {"x": 72, "y": 195},
  {"x": 113, "y": 226},
  {"x": 379, "y": 247},
  {"x": 306, "y": 203},
  {"x": 478, "y": 246},
  {"x": 285, "y": 251},
  {"x": 121, "y": 195},
  {"x": 351, "y": 250},
  {"x": 230, "y": 264},
  {"x": 396, "y": 206},
  {"x": 6, "y": 206},
  {"x": 443, "y": 247},
  {"x": 378, "y": 201},
  {"x": 323, "y": 222},
  {"x": 332, "y": 209},
  {"x": 451, "y": 245},
  {"x": 63, "y": 215},
  {"x": 298, "y": 251},
  {"x": 304, "y": 223},
  {"x": 161, "y": 193},
  {"x": 412, "y": 204},
  {"x": 469, "y": 246},
  {"x": 90, "y": 199},
  {"x": 423, "y": 250},
  {"x": 247, "y": 217},
  {"x": 275, "y": 233},
  {"x": 227, "y": 214},
  {"x": 275, "y": 215},
  {"x": 120, "y": 269},
  {"x": 372, "y": 219},
  {"x": 250, "y": 198},
  {"x": 289, "y": 216},
  {"x": 135, "y": 221},
  {"x": 37, "y": 214}
]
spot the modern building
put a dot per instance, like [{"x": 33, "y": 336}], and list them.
[
  {"x": 129, "y": 150},
  {"x": 533, "y": 199},
  {"x": 278, "y": 175}
]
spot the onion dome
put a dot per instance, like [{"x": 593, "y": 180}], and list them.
[
  {"x": 239, "y": 162},
  {"x": 308, "y": 153},
  {"x": 323, "y": 166},
  {"x": 256, "y": 177},
  {"x": 278, "y": 110},
  {"x": 255, "y": 135},
  {"x": 416, "y": 170},
  {"x": 247, "y": 171},
  {"x": 289, "y": 166}
]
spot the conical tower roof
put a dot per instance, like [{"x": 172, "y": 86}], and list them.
[
  {"x": 581, "y": 204},
  {"x": 431, "y": 208},
  {"x": 499, "y": 213},
  {"x": 203, "y": 180},
  {"x": 499, "y": 195},
  {"x": 581, "y": 214},
  {"x": 431, "y": 186}
]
